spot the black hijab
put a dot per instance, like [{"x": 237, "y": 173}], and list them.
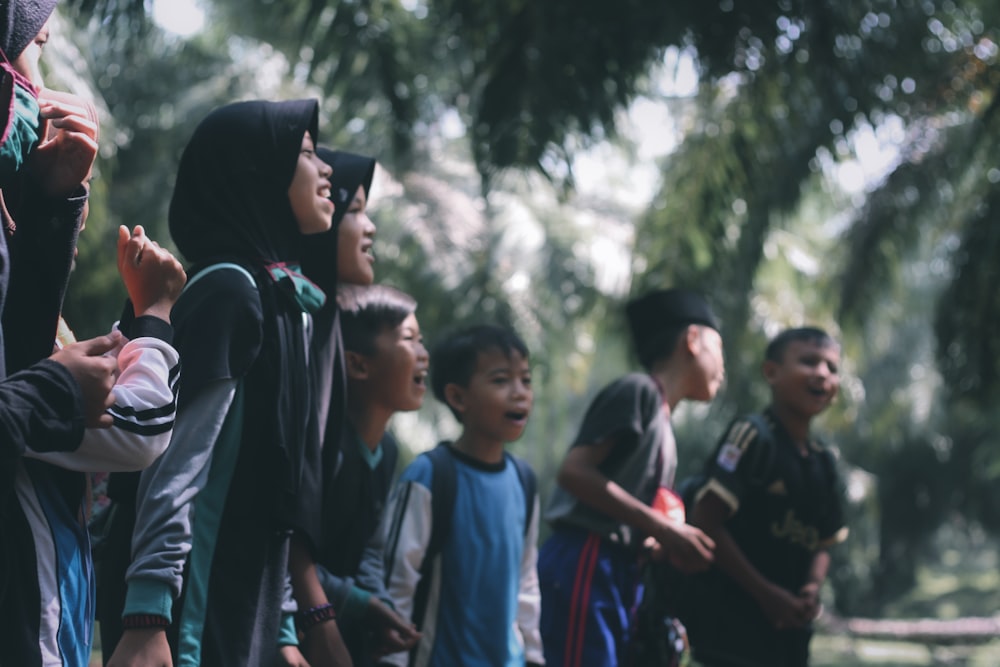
[
  {"x": 350, "y": 171},
  {"x": 319, "y": 263},
  {"x": 231, "y": 194},
  {"x": 230, "y": 204},
  {"x": 22, "y": 19}
]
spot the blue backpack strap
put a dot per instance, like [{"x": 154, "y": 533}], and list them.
[
  {"x": 215, "y": 267},
  {"x": 529, "y": 484}
]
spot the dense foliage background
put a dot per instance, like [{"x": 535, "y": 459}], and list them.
[{"x": 830, "y": 162}]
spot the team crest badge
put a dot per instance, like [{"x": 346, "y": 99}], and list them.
[{"x": 729, "y": 457}]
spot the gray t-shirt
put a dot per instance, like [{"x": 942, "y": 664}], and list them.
[{"x": 643, "y": 458}]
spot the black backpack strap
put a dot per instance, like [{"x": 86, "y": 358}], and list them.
[
  {"x": 442, "y": 498},
  {"x": 442, "y": 503},
  {"x": 529, "y": 485}
]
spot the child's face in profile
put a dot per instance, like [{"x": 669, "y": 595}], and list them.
[
  {"x": 26, "y": 64},
  {"x": 309, "y": 193},
  {"x": 710, "y": 364},
  {"x": 807, "y": 377},
  {"x": 398, "y": 368},
  {"x": 498, "y": 399},
  {"x": 354, "y": 243}
]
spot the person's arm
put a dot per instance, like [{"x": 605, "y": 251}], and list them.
[
  {"x": 407, "y": 534},
  {"x": 41, "y": 256},
  {"x": 529, "y": 597},
  {"x": 395, "y": 633},
  {"x": 814, "y": 583},
  {"x": 42, "y": 404},
  {"x": 162, "y": 538},
  {"x": 322, "y": 645},
  {"x": 50, "y": 403},
  {"x": 338, "y": 593},
  {"x": 143, "y": 411},
  {"x": 580, "y": 474},
  {"x": 782, "y": 608}
]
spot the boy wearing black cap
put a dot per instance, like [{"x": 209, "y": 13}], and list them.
[
  {"x": 601, "y": 512},
  {"x": 772, "y": 505}
]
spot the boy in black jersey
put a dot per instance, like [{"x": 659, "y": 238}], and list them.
[{"x": 771, "y": 504}]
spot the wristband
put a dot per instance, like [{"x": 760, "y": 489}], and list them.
[
  {"x": 315, "y": 616},
  {"x": 144, "y": 621}
]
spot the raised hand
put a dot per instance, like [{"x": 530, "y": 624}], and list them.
[
  {"x": 63, "y": 159},
  {"x": 152, "y": 275},
  {"x": 95, "y": 373}
]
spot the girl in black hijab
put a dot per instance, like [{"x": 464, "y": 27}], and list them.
[
  {"x": 222, "y": 503},
  {"x": 341, "y": 255}
]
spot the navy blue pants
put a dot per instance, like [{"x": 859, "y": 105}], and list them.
[{"x": 590, "y": 589}]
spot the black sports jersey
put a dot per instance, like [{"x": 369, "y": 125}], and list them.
[{"x": 785, "y": 506}]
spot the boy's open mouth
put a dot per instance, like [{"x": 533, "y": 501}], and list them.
[{"x": 516, "y": 416}]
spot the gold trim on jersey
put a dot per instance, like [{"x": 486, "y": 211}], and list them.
[{"x": 725, "y": 495}]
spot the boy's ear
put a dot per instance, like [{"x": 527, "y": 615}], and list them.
[
  {"x": 769, "y": 369},
  {"x": 692, "y": 339},
  {"x": 357, "y": 365},
  {"x": 454, "y": 394}
]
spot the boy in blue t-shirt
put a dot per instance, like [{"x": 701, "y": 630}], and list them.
[{"x": 475, "y": 599}]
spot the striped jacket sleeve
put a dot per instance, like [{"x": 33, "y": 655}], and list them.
[{"x": 145, "y": 400}]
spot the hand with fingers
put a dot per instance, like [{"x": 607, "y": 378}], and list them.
[
  {"x": 394, "y": 634},
  {"x": 63, "y": 159},
  {"x": 145, "y": 647},
  {"x": 152, "y": 275},
  {"x": 95, "y": 373},
  {"x": 783, "y": 609},
  {"x": 688, "y": 548}
]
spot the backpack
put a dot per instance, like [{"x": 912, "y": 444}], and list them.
[
  {"x": 660, "y": 638},
  {"x": 443, "y": 501}
]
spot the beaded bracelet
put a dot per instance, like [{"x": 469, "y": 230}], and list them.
[
  {"x": 144, "y": 621},
  {"x": 315, "y": 616}
]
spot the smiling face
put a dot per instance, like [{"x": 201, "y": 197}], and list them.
[
  {"x": 806, "y": 378},
  {"x": 497, "y": 401},
  {"x": 396, "y": 371},
  {"x": 355, "y": 236},
  {"x": 309, "y": 193}
]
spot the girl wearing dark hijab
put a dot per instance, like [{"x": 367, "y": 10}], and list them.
[
  {"x": 341, "y": 254},
  {"x": 215, "y": 514},
  {"x": 350, "y": 514}
]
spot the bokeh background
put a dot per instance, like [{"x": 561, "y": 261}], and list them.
[{"x": 831, "y": 162}]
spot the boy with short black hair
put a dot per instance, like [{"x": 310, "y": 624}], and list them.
[
  {"x": 468, "y": 509},
  {"x": 386, "y": 365},
  {"x": 771, "y": 502},
  {"x": 602, "y": 510}
]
